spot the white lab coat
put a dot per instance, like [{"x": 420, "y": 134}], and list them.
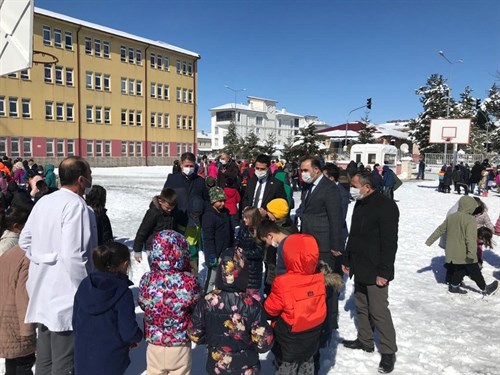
[{"x": 58, "y": 239}]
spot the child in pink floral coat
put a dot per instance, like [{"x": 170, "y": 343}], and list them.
[
  {"x": 230, "y": 321},
  {"x": 168, "y": 295}
]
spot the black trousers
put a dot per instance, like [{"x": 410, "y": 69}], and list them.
[
  {"x": 472, "y": 270},
  {"x": 20, "y": 365}
]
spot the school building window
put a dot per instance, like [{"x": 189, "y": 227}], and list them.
[
  {"x": 59, "y": 111},
  {"x": 47, "y": 36},
  {"x": 89, "y": 113},
  {"x": 26, "y": 107},
  {"x": 106, "y": 49},
  {"x": 57, "y": 38},
  {"x": 69, "y": 77},
  {"x": 2, "y": 106},
  {"x": 13, "y": 111},
  {"x": 69, "y": 112},
  {"x": 49, "y": 110},
  {"x": 60, "y": 147},
  {"x": 107, "y": 115},
  {"x": 88, "y": 46},
  {"x": 68, "y": 40},
  {"x": 49, "y": 146},
  {"x": 47, "y": 69}
]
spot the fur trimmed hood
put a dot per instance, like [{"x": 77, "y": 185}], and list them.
[{"x": 332, "y": 279}]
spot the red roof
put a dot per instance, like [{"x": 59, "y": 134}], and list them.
[{"x": 354, "y": 126}]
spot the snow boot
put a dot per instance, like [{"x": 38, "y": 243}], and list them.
[
  {"x": 490, "y": 289},
  {"x": 456, "y": 289}
]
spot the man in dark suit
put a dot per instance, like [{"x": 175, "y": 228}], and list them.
[
  {"x": 321, "y": 216},
  {"x": 262, "y": 187}
]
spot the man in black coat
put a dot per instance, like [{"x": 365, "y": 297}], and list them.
[
  {"x": 267, "y": 186},
  {"x": 227, "y": 169},
  {"x": 187, "y": 185},
  {"x": 370, "y": 255}
]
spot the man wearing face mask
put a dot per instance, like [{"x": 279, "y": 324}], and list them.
[
  {"x": 228, "y": 169},
  {"x": 370, "y": 255},
  {"x": 187, "y": 185},
  {"x": 58, "y": 238},
  {"x": 262, "y": 188}
]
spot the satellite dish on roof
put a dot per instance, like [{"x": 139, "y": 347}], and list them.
[{"x": 404, "y": 148}]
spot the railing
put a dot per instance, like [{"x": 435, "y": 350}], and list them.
[{"x": 439, "y": 159}]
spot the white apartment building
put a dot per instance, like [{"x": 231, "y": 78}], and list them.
[{"x": 260, "y": 116}]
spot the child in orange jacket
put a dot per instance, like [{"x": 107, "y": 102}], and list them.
[{"x": 297, "y": 306}]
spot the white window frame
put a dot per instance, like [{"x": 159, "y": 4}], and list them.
[
  {"x": 25, "y": 74},
  {"x": 138, "y": 87},
  {"x": 179, "y": 122},
  {"x": 58, "y": 38},
  {"x": 184, "y": 122},
  {"x": 15, "y": 147},
  {"x": 124, "y": 148},
  {"x": 98, "y": 115},
  {"x": 131, "y": 117},
  {"x": 47, "y": 73},
  {"x": 190, "y": 96},
  {"x": 184, "y": 95},
  {"x": 49, "y": 146},
  {"x": 47, "y": 35},
  {"x": 166, "y": 62},
  {"x": 60, "y": 142},
  {"x": 98, "y": 148},
  {"x": 138, "y": 56},
  {"x": 106, "y": 49},
  {"x": 107, "y": 148},
  {"x": 70, "y": 112},
  {"x": 153, "y": 90},
  {"x": 159, "y": 91},
  {"x": 107, "y": 115},
  {"x": 26, "y": 104},
  {"x": 98, "y": 81},
  {"x": 131, "y": 55},
  {"x": 138, "y": 148},
  {"x": 166, "y": 92},
  {"x": 2, "y": 106},
  {"x": 138, "y": 118},
  {"x": 70, "y": 147},
  {"x": 88, "y": 45},
  {"x": 107, "y": 82},
  {"x": 123, "y": 53},
  {"x": 131, "y": 148},
  {"x": 178, "y": 66},
  {"x": 159, "y": 120},
  {"x": 59, "y": 75},
  {"x": 14, "y": 100},
  {"x": 123, "y": 117},
  {"x": 49, "y": 110},
  {"x": 131, "y": 86},
  {"x": 90, "y": 146},
  {"x": 89, "y": 80},
  {"x": 152, "y": 60},
  {"x": 69, "y": 77},
  {"x": 89, "y": 114},
  {"x": 97, "y": 48},
  {"x": 166, "y": 120},
  {"x": 179, "y": 95},
  {"x": 68, "y": 40},
  {"x": 124, "y": 85},
  {"x": 153, "y": 119},
  {"x": 60, "y": 107},
  {"x": 190, "y": 122}
]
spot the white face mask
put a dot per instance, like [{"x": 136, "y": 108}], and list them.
[
  {"x": 355, "y": 194},
  {"x": 89, "y": 187},
  {"x": 260, "y": 174},
  {"x": 274, "y": 244},
  {"x": 187, "y": 171},
  {"x": 223, "y": 161},
  {"x": 306, "y": 177}
]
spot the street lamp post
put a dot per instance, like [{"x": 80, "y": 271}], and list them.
[
  {"x": 455, "y": 146},
  {"x": 235, "y": 91}
]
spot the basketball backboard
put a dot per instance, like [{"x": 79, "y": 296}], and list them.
[
  {"x": 455, "y": 131},
  {"x": 16, "y": 35}
]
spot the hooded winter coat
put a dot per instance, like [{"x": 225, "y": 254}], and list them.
[
  {"x": 297, "y": 303},
  {"x": 104, "y": 324},
  {"x": 231, "y": 322},
  {"x": 17, "y": 339},
  {"x": 154, "y": 221},
  {"x": 254, "y": 254},
  {"x": 50, "y": 177},
  {"x": 461, "y": 233},
  {"x": 168, "y": 293}
]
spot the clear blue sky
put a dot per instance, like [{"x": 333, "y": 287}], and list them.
[{"x": 318, "y": 57}]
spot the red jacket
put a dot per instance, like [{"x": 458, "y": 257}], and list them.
[
  {"x": 299, "y": 295},
  {"x": 232, "y": 200}
]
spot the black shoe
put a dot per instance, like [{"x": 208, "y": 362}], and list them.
[
  {"x": 356, "y": 344},
  {"x": 490, "y": 289},
  {"x": 386, "y": 364},
  {"x": 456, "y": 289}
]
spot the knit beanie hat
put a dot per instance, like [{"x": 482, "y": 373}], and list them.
[
  {"x": 278, "y": 207},
  {"x": 216, "y": 194}
]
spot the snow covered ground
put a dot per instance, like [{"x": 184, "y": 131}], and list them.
[{"x": 437, "y": 332}]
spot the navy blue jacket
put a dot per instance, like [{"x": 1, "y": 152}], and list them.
[
  {"x": 217, "y": 233},
  {"x": 104, "y": 324},
  {"x": 186, "y": 188}
]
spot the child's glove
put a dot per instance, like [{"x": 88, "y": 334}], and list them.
[{"x": 212, "y": 261}]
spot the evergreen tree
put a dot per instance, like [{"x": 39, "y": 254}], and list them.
[
  {"x": 466, "y": 108},
  {"x": 269, "y": 145},
  {"x": 434, "y": 99},
  {"x": 307, "y": 142},
  {"x": 249, "y": 147},
  {"x": 231, "y": 140},
  {"x": 367, "y": 130},
  {"x": 288, "y": 153},
  {"x": 491, "y": 108}
]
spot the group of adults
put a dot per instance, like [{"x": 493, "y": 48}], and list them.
[{"x": 61, "y": 232}]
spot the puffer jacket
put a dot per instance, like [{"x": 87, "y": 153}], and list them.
[
  {"x": 297, "y": 303},
  {"x": 17, "y": 339},
  {"x": 230, "y": 322},
  {"x": 461, "y": 233},
  {"x": 154, "y": 221},
  {"x": 254, "y": 253},
  {"x": 104, "y": 324},
  {"x": 169, "y": 292}
]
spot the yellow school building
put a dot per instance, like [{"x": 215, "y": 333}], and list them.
[{"x": 114, "y": 98}]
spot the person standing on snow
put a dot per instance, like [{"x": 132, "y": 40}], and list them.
[{"x": 369, "y": 257}]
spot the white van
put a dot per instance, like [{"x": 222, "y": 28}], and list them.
[{"x": 370, "y": 154}]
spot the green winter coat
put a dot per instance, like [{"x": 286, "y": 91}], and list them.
[{"x": 460, "y": 229}]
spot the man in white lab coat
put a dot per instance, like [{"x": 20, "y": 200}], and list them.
[{"x": 58, "y": 239}]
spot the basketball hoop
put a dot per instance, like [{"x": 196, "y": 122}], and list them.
[{"x": 40, "y": 57}]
